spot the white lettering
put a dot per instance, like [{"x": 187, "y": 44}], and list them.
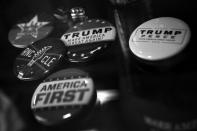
[
  {"x": 28, "y": 52},
  {"x": 89, "y": 36},
  {"x": 168, "y": 126},
  {"x": 47, "y": 60}
]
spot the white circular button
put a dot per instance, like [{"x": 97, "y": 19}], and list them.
[{"x": 159, "y": 38}]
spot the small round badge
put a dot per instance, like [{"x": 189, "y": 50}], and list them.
[
  {"x": 159, "y": 38},
  {"x": 64, "y": 96},
  {"x": 39, "y": 58},
  {"x": 88, "y": 38},
  {"x": 30, "y": 30}
]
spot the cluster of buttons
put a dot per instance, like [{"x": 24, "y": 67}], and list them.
[
  {"x": 69, "y": 93},
  {"x": 81, "y": 41}
]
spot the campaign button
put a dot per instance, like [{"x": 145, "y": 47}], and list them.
[
  {"x": 39, "y": 59},
  {"x": 159, "y": 38},
  {"x": 87, "y": 39},
  {"x": 31, "y": 29},
  {"x": 67, "y": 95}
]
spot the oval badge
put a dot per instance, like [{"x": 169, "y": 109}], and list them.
[{"x": 88, "y": 38}]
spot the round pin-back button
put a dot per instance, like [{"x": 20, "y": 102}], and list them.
[
  {"x": 159, "y": 38},
  {"x": 65, "y": 96},
  {"x": 39, "y": 59},
  {"x": 31, "y": 29},
  {"x": 87, "y": 39}
]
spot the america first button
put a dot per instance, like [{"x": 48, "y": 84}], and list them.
[
  {"x": 39, "y": 59},
  {"x": 159, "y": 38},
  {"x": 31, "y": 29},
  {"x": 63, "y": 96},
  {"x": 88, "y": 38}
]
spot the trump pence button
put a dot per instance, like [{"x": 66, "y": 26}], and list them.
[
  {"x": 159, "y": 38},
  {"x": 64, "y": 96}
]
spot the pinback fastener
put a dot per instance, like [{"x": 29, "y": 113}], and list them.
[
  {"x": 65, "y": 96},
  {"x": 31, "y": 29},
  {"x": 77, "y": 13},
  {"x": 160, "y": 41},
  {"x": 38, "y": 59},
  {"x": 87, "y": 38}
]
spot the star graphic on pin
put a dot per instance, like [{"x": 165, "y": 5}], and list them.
[{"x": 30, "y": 28}]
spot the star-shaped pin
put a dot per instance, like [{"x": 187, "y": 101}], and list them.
[{"x": 30, "y": 28}]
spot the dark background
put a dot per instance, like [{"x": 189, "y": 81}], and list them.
[{"x": 108, "y": 118}]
